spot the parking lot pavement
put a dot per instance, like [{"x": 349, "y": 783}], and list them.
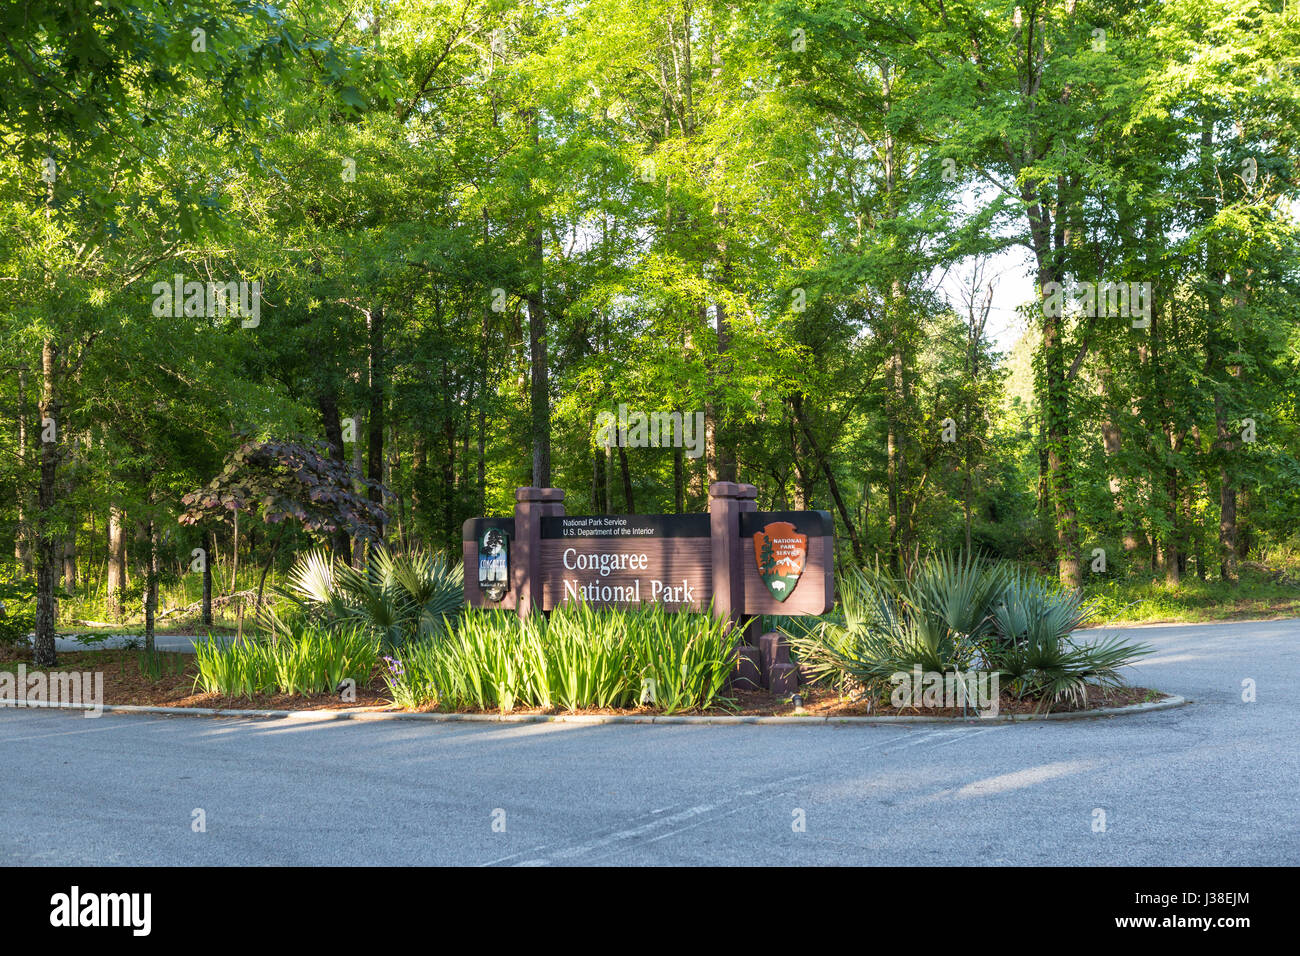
[{"x": 1210, "y": 783}]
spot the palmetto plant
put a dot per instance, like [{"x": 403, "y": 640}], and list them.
[
  {"x": 956, "y": 612},
  {"x": 396, "y": 596},
  {"x": 957, "y": 593},
  {"x": 937, "y": 619},
  {"x": 1032, "y": 646}
]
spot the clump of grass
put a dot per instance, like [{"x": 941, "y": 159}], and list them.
[
  {"x": 580, "y": 658},
  {"x": 303, "y": 659}
]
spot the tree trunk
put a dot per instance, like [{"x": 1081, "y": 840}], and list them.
[
  {"x": 897, "y": 399},
  {"x": 797, "y": 404},
  {"x": 234, "y": 555},
  {"x": 627, "y": 479},
  {"x": 209, "y": 546},
  {"x": 711, "y": 472},
  {"x": 1175, "y": 559},
  {"x": 151, "y": 584},
  {"x": 375, "y": 417},
  {"x": 1111, "y": 444},
  {"x": 328, "y": 404},
  {"x": 1056, "y": 403},
  {"x": 1060, "y": 478},
  {"x": 70, "y": 561},
  {"x": 69, "y": 545},
  {"x": 679, "y": 480},
  {"x": 47, "y": 558},
  {"x": 891, "y": 491},
  {"x": 1226, "y": 445},
  {"x": 359, "y": 466},
  {"x": 897, "y": 396},
  {"x": 266, "y": 569},
  {"x": 1227, "y": 528},
  {"x": 116, "y": 563},
  {"x": 607, "y": 465},
  {"x": 448, "y": 480},
  {"x": 1244, "y": 539},
  {"x": 540, "y": 394},
  {"x": 723, "y": 448},
  {"x": 22, "y": 536}
]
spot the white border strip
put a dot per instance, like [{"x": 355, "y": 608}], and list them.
[{"x": 327, "y": 715}]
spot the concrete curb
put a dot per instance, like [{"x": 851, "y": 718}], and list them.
[{"x": 730, "y": 719}]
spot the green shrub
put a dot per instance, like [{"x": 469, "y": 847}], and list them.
[
  {"x": 589, "y": 658},
  {"x": 936, "y": 619},
  {"x": 397, "y": 597},
  {"x": 1033, "y": 621},
  {"x": 580, "y": 658},
  {"x": 686, "y": 657},
  {"x": 303, "y": 659},
  {"x": 954, "y": 613},
  {"x": 17, "y": 607}
]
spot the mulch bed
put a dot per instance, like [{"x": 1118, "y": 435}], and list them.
[
  {"x": 825, "y": 703},
  {"x": 126, "y": 682}
]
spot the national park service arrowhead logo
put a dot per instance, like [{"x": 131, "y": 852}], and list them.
[
  {"x": 781, "y": 553},
  {"x": 494, "y": 564}
]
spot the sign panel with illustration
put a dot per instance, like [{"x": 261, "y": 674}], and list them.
[
  {"x": 486, "y": 553},
  {"x": 494, "y": 563},
  {"x": 791, "y": 561}
]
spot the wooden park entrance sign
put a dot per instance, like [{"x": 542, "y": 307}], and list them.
[{"x": 742, "y": 561}]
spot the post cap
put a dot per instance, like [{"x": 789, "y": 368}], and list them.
[{"x": 731, "y": 489}]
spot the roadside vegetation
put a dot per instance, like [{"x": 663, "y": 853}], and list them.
[
  {"x": 1017, "y": 278},
  {"x": 397, "y": 634},
  {"x": 1264, "y": 590},
  {"x": 958, "y": 614}
]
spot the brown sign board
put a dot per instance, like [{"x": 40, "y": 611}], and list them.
[
  {"x": 742, "y": 561},
  {"x": 789, "y": 562},
  {"x": 624, "y": 560}
]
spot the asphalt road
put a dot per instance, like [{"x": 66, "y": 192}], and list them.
[
  {"x": 1211, "y": 783},
  {"x": 163, "y": 642}
]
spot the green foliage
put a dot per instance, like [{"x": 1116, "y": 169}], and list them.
[
  {"x": 154, "y": 664},
  {"x": 682, "y": 208},
  {"x": 683, "y": 660},
  {"x": 1033, "y": 620},
  {"x": 581, "y": 657},
  {"x": 955, "y": 613},
  {"x": 396, "y": 597},
  {"x": 303, "y": 659},
  {"x": 18, "y": 599},
  {"x": 1146, "y": 598},
  {"x": 589, "y": 658}
]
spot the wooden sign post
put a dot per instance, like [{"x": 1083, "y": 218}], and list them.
[{"x": 743, "y": 561}]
